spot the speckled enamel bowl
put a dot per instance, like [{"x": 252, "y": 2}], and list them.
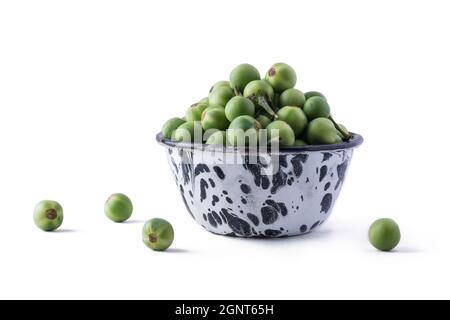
[{"x": 266, "y": 194}]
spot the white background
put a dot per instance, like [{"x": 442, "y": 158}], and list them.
[{"x": 86, "y": 85}]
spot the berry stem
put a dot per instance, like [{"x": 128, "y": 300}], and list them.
[
  {"x": 345, "y": 134},
  {"x": 262, "y": 101}
]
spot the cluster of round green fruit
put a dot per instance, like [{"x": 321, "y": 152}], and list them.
[
  {"x": 157, "y": 233},
  {"x": 236, "y": 110}
]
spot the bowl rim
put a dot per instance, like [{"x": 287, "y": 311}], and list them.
[{"x": 355, "y": 141}]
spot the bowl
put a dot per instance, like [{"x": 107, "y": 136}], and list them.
[{"x": 254, "y": 193}]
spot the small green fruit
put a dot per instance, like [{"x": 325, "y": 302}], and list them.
[
  {"x": 294, "y": 117},
  {"x": 215, "y": 119},
  {"x": 299, "y": 143},
  {"x": 48, "y": 215},
  {"x": 263, "y": 120},
  {"x": 157, "y": 234},
  {"x": 218, "y": 84},
  {"x": 242, "y": 75},
  {"x": 239, "y": 106},
  {"x": 311, "y": 94},
  {"x": 384, "y": 234},
  {"x": 281, "y": 77},
  {"x": 281, "y": 131},
  {"x": 220, "y": 96},
  {"x": 185, "y": 132},
  {"x": 170, "y": 126},
  {"x": 118, "y": 207},
  {"x": 316, "y": 107},
  {"x": 292, "y": 97},
  {"x": 217, "y": 138},
  {"x": 322, "y": 131}
]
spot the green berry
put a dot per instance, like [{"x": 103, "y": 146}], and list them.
[
  {"x": 258, "y": 88},
  {"x": 311, "y": 94},
  {"x": 219, "y": 84},
  {"x": 48, "y": 215},
  {"x": 294, "y": 117},
  {"x": 217, "y": 138},
  {"x": 220, "y": 96},
  {"x": 316, "y": 107},
  {"x": 281, "y": 131},
  {"x": 170, "y": 126},
  {"x": 194, "y": 113},
  {"x": 215, "y": 119},
  {"x": 344, "y": 129},
  {"x": 299, "y": 143},
  {"x": 281, "y": 77},
  {"x": 185, "y": 132},
  {"x": 243, "y": 129},
  {"x": 242, "y": 75},
  {"x": 292, "y": 97},
  {"x": 384, "y": 234},
  {"x": 210, "y": 108},
  {"x": 118, "y": 207},
  {"x": 157, "y": 234},
  {"x": 263, "y": 120},
  {"x": 239, "y": 106},
  {"x": 321, "y": 131}
]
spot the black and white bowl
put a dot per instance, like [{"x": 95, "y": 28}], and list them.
[{"x": 265, "y": 194}]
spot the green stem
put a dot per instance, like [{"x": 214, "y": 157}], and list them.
[
  {"x": 261, "y": 101},
  {"x": 237, "y": 92},
  {"x": 345, "y": 134}
]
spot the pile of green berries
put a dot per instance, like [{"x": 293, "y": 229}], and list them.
[{"x": 235, "y": 111}]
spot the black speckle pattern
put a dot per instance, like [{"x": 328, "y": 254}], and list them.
[
  {"x": 246, "y": 188},
  {"x": 323, "y": 172},
  {"x": 283, "y": 161},
  {"x": 269, "y": 215},
  {"x": 279, "y": 180},
  {"x": 272, "y": 233},
  {"x": 203, "y": 187},
  {"x": 223, "y": 217},
  {"x": 314, "y": 225},
  {"x": 326, "y": 156},
  {"x": 211, "y": 220},
  {"x": 254, "y": 219},
  {"x": 271, "y": 211},
  {"x": 304, "y": 189},
  {"x": 174, "y": 166},
  {"x": 186, "y": 169},
  {"x": 297, "y": 164},
  {"x": 200, "y": 168},
  {"x": 326, "y": 203},
  {"x": 219, "y": 172},
  {"x": 215, "y": 199},
  {"x": 261, "y": 180},
  {"x": 239, "y": 226},
  {"x": 341, "y": 170},
  {"x": 216, "y": 217}
]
